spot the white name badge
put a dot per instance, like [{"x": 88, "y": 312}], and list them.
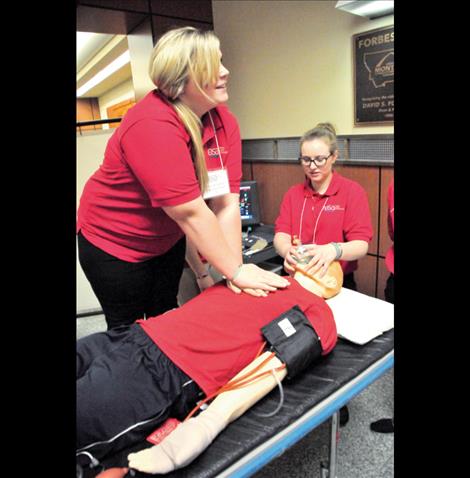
[{"x": 218, "y": 184}]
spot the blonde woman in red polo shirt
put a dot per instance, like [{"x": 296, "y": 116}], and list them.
[
  {"x": 171, "y": 169},
  {"x": 328, "y": 214}
]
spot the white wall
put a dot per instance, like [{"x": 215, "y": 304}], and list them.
[
  {"x": 90, "y": 152},
  {"x": 291, "y": 65}
]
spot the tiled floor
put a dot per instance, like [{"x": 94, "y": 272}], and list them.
[{"x": 361, "y": 453}]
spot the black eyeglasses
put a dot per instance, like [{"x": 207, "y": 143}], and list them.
[{"x": 319, "y": 161}]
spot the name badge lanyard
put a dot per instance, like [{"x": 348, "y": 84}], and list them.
[
  {"x": 216, "y": 140},
  {"x": 218, "y": 178},
  {"x": 316, "y": 224}
]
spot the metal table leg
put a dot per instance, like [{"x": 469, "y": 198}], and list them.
[{"x": 330, "y": 470}]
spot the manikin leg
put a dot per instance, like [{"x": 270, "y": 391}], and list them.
[{"x": 193, "y": 436}]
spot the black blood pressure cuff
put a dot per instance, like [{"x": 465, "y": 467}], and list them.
[{"x": 294, "y": 340}]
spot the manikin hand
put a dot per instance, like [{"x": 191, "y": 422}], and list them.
[{"x": 181, "y": 446}]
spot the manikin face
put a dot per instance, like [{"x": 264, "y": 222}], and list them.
[
  {"x": 216, "y": 94},
  {"x": 327, "y": 286},
  {"x": 318, "y": 148}
]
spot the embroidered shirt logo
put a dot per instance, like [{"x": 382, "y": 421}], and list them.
[
  {"x": 333, "y": 207},
  {"x": 214, "y": 152}
]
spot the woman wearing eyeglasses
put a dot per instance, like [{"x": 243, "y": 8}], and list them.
[{"x": 328, "y": 214}]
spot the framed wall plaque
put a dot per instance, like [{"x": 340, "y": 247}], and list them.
[{"x": 374, "y": 77}]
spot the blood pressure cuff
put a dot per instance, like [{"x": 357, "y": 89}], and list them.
[{"x": 294, "y": 340}]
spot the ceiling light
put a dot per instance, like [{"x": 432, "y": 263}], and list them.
[
  {"x": 119, "y": 62},
  {"x": 369, "y": 9}
]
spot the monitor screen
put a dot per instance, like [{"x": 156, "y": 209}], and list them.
[{"x": 249, "y": 203}]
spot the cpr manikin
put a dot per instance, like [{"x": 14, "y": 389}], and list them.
[{"x": 195, "y": 434}]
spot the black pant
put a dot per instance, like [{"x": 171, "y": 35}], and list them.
[
  {"x": 389, "y": 290},
  {"x": 349, "y": 282},
  {"x": 125, "y": 382},
  {"x": 128, "y": 291}
]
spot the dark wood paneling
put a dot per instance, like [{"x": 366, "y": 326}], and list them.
[
  {"x": 101, "y": 20},
  {"x": 365, "y": 275},
  {"x": 384, "y": 239},
  {"x": 382, "y": 277},
  {"x": 274, "y": 180},
  {"x": 162, "y": 24},
  {"x": 246, "y": 172},
  {"x": 368, "y": 178},
  {"x": 200, "y": 10},
  {"x": 132, "y": 5}
]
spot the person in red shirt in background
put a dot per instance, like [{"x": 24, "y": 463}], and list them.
[
  {"x": 386, "y": 425},
  {"x": 130, "y": 380},
  {"x": 327, "y": 214},
  {"x": 389, "y": 290},
  {"x": 171, "y": 169}
]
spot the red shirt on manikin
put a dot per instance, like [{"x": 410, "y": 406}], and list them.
[{"x": 218, "y": 333}]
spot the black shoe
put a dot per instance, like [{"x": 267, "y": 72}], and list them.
[
  {"x": 384, "y": 425},
  {"x": 343, "y": 416}
]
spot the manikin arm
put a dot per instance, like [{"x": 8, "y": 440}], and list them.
[{"x": 193, "y": 436}]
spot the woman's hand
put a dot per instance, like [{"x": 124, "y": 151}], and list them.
[
  {"x": 322, "y": 257},
  {"x": 247, "y": 290},
  {"x": 254, "y": 281},
  {"x": 291, "y": 259}
]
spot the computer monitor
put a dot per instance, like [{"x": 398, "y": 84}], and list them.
[{"x": 249, "y": 203}]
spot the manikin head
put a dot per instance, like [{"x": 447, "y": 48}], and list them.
[{"x": 327, "y": 286}]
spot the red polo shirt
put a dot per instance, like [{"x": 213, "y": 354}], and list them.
[
  {"x": 147, "y": 165},
  {"x": 390, "y": 255},
  {"x": 218, "y": 333},
  {"x": 340, "y": 215}
]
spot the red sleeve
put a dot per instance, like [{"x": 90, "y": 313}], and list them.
[
  {"x": 234, "y": 158},
  {"x": 157, "y": 153},
  {"x": 391, "y": 210},
  {"x": 357, "y": 219},
  {"x": 284, "y": 220}
]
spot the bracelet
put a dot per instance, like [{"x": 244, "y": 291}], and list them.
[
  {"x": 237, "y": 272},
  {"x": 339, "y": 250}
]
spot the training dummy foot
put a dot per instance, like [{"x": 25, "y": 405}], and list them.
[{"x": 181, "y": 446}]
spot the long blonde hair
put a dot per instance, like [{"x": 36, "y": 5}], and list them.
[{"x": 181, "y": 54}]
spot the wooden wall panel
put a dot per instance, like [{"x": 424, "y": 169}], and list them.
[
  {"x": 88, "y": 110},
  {"x": 246, "y": 172},
  {"x": 273, "y": 181},
  {"x": 382, "y": 277},
  {"x": 365, "y": 275},
  {"x": 368, "y": 178},
  {"x": 384, "y": 239}
]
